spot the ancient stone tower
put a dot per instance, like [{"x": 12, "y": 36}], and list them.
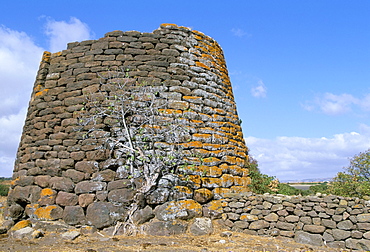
[{"x": 63, "y": 173}]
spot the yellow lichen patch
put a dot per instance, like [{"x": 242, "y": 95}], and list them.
[
  {"x": 57, "y": 54},
  {"x": 42, "y": 92},
  {"x": 217, "y": 205},
  {"x": 215, "y": 171},
  {"x": 165, "y": 25},
  {"x": 200, "y": 64},
  {"x": 198, "y": 122},
  {"x": 209, "y": 146},
  {"x": 239, "y": 189},
  {"x": 193, "y": 144},
  {"x": 13, "y": 182},
  {"x": 202, "y": 136},
  {"x": 211, "y": 182},
  {"x": 227, "y": 180},
  {"x": 221, "y": 191},
  {"x": 195, "y": 179},
  {"x": 183, "y": 189},
  {"x": 210, "y": 160},
  {"x": 190, "y": 204},
  {"x": 44, "y": 213},
  {"x": 203, "y": 195},
  {"x": 46, "y": 192},
  {"x": 246, "y": 181},
  {"x": 46, "y": 56},
  {"x": 21, "y": 224},
  {"x": 207, "y": 56},
  {"x": 170, "y": 111}
]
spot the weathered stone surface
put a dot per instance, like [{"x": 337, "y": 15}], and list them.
[
  {"x": 66, "y": 199},
  {"x": 98, "y": 214},
  {"x": 363, "y": 217},
  {"x": 260, "y": 224},
  {"x": 201, "y": 226},
  {"x": 90, "y": 186},
  {"x": 361, "y": 244},
  {"x": 74, "y": 215},
  {"x": 307, "y": 238},
  {"x": 143, "y": 215},
  {"x": 345, "y": 225},
  {"x": 22, "y": 233},
  {"x": 71, "y": 235},
  {"x": 340, "y": 235},
  {"x": 183, "y": 209},
  {"x": 124, "y": 196},
  {"x": 166, "y": 228},
  {"x": 272, "y": 217},
  {"x": 203, "y": 195},
  {"x": 62, "y": 184},
  {"x": 314, "y": 229},
  {"x": 159, "y": 196},
  {"x": 85, "y": 199}
]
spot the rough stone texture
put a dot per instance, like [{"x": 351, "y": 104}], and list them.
[
  {"x": 201, "y": 226},
  {"x": 166, "y": 228},
  {"x": 58, "y": 166},
  {"x": 310, "y": 219},
  {"x": 307, "y": 238}
]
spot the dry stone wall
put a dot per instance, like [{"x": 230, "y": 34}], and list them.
[
  {"x": 335, "y": 221},
  {"x": 61, "y": 175}
]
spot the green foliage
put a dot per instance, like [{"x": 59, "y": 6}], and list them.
[
  {"x": 320, "y": 188},
  {"x": 355, "y": 180},
  {"x": 261, "y": 183},
  {"x": 4, "y": 189},
  {"x": 288, "y": 190}
]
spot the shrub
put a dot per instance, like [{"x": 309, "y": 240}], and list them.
[
  {"x": 261, "y": 183},
  {"x": 355, "y": 180},
  {"x": 4, "y": 189}
]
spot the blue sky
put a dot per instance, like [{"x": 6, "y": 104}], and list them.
[{"x": 299, "y": 69}]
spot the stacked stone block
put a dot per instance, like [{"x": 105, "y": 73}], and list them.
[
  {"x": 59, "y": 174},
  {"x": 335, "y": 221}
]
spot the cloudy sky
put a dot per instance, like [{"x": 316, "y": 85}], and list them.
[{"x": 300, "y": 69}]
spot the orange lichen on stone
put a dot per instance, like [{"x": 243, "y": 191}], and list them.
[
  {"x": 217, "y": 205},
  {"x": 215, "y": 171},
  {"x": 166, "y": 25},
  {"x": 170, "y": 111},
  {"x": 46, "y": 56},
  {"x": 211, "y": 182},
  {"x": 21, "y": 224},
  {"x": 239, "y": 189},
  {"x": 46, "y": 192},
  {"x": 198, "y": 122},
  {"x": 221, "y": 191},
  {"x": 200, "y": 64},
  {"x": 183, "y": 189},
  {"x": 14, "y": 181},
  {"x": 227, "y": 180},
  {"x": 42, "y": 92},
  {"x": 193, "y": 144},
  {"x": 195, "y": 179},
  {"x": 44, "y": 213},
  {"x": 57, "y": 54},
  {"x": 190, "y": 204}
]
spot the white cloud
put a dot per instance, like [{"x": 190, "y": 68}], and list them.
[
  {"x": 260, "y": 90},
  {"x": 332, "y": 104},
  {"x": 19, "y": 61},
  {"x": 61, "y": 32},
  {"x": 297, "y": 158},
  {"x": 239, "y": 32}
]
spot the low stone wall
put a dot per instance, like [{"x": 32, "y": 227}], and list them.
[{"x": 338, "y": 222}]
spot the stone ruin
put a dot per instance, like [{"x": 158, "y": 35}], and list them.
[{"x": 62, "y": 173}]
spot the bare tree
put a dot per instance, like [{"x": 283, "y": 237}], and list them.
[{"x": 131, "y": 120}]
